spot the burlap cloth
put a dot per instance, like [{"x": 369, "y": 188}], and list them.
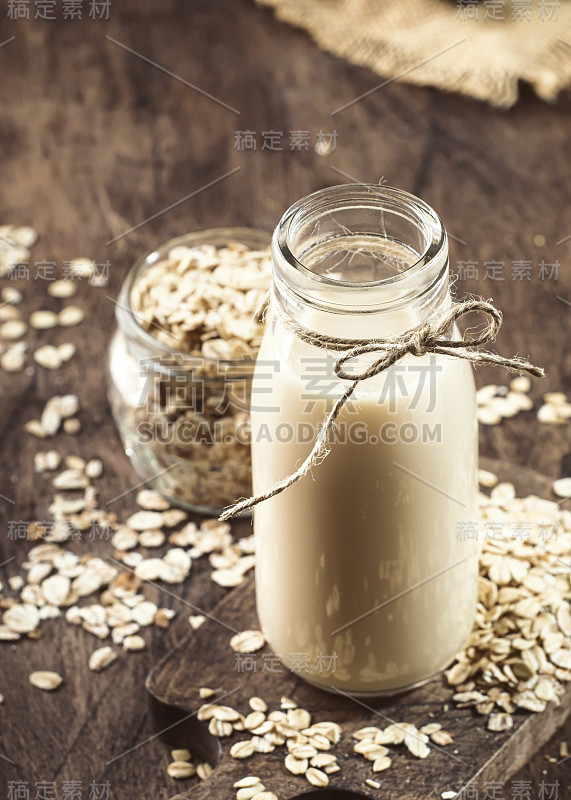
[{"x": 439, "y": 43}]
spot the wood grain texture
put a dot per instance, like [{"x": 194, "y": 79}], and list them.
[{"x": 95, "y": 141}]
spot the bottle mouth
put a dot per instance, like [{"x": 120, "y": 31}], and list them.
[{"x": 359, "y": 245}]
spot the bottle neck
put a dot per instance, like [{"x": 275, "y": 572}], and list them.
[{"x": 360, "y": 262}]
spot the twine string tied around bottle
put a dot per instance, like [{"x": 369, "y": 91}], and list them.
[{"x": 428, "y": 337}]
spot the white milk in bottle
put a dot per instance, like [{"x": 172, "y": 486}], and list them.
[{"x": 365, "y": 579}]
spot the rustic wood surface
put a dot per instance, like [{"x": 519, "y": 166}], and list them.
[
  {"x": 478, "y": 756},
  {"x": 97, "y": 140}
]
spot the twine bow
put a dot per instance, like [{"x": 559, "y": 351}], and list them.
[{"x": 429, "y": 337}]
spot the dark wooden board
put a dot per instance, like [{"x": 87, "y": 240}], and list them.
[{"x": 204, "y": 658}]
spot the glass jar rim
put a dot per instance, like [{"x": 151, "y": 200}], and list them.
[
  {"x": 301, "y": 280},
  {"x": 127, "y": 317}
]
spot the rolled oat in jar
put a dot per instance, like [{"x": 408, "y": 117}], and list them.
[{"x": 180, "y": 364}]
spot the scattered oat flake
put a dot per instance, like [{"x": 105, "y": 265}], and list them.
[
  {"x": 180, "y": 755},
  {"x": 248, "y": 781},
  {"x": 562, "y": 487},
  {"x": 550, "y": 415},
  {"x": 68, "y": 405},
  {"x": 248, "y": 792},
  {"x": 24, "y": 236},
  {"x": 13, "y": 329},
  {"x": 51, "y": 417},
  {"x": 180, "y": 770},
  {"x": 144, "y": 613},
  {"x": 544, "y": 690},
  {"x": 487, "y": 478},
  {"x": 366, "y": 733},
  {"x": 296, "y": 765},
  {"x": 145, "y": 520},
  {"x": 520, "y": 384},
  {"x": 45, "y": 680},
  {"x": 151, "y": 500},
  {"x": 42, "y": 320},
  {"x": 72, "y": 425},
  {"x": 173, "y": 516},
  {"x": 13, "y": 360},
  {"x": 257, "y": 704},
  {"x": 151, "y": 538},
  {"x": 555, "y": 398},
  {"x": 381, "y": 763},
  {"x": 500, "y": 722},
  {"x": 21, "y": 618},
  {"x": 81, "y": 267},
  {"x": 196, "y": 620},
  {"x": 416, "y": 745},
  {"x": 243, "y": 749},
  {"x": 66, "y": 351},
  {"x": 94, "y": 468},
  {"x": 393, "y": 734},
  {"x": 70, "y": 479},
  {"x": 316, "y": 777},
  {"x": 219, "y": 727},
  {"x": 55, "y": 589},
  {"x": 11, "y": 295},
  {"x": 247, "y": 642},
  {"x": 48, "y": 357},
  {"x": 124, "y": 539},
  {"x": 441, "y": 738},
  {"x": 458, "y": 673},
  {"x": 134, "y": 643},
  {"x": 70, "y": 316},
  {"x": 488, "y": 417},
  {"x": 226, "y": 713},
  {"x": 204, "y": 771},
  {"x": 62, "y": 288},
  {"x": 206, "y": 711},
  {"x": 227, "y": 577},
  {"x": 323, "y": 760},
  {"x": 150, "y": 569},
  {"x": 101, "y": 658}
]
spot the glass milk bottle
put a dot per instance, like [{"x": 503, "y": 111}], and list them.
[{"x": 364, "y": 581}]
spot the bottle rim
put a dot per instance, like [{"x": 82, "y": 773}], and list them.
[{"x": 295, "y": 278}]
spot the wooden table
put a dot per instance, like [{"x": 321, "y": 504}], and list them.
[{"x": 102, "y": 144}]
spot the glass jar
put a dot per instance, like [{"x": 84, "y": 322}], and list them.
[
  {"x": 183, "y": 418},
  {"x": 365, "y": 582}
]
